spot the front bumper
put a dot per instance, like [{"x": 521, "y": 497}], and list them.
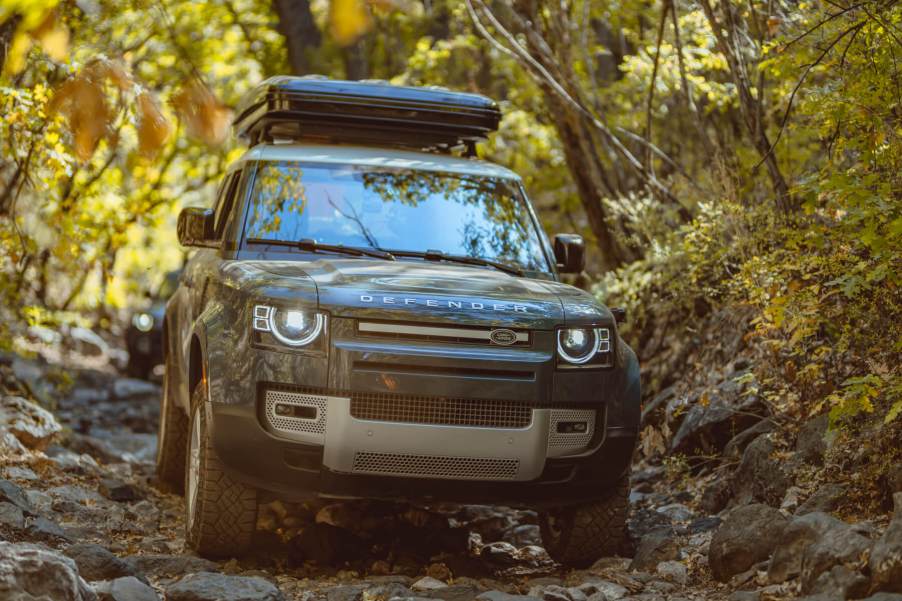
[
  {"x": 348, "y": 456},
  {"x": 295, "y": 471}
]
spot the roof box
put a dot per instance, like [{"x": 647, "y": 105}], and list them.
[{"x": 368, "y": 112}]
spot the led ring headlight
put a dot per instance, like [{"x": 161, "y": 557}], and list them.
[
  {"x": 578, "y": 346},
  {"x": 291, "y": 327}
]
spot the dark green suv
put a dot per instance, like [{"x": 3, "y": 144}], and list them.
[{"x": 376, "y": 316}]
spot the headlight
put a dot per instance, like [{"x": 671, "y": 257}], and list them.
[
  {"x": 292, "y": 327},
  {"x": 143, "y": 321},
  {"x": 579, "y": 346}
]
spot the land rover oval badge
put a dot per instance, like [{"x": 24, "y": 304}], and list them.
[{"x": 503, "y": 337}]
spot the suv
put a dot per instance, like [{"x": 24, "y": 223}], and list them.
[{"x": 374, "y": 313}]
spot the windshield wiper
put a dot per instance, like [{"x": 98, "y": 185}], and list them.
[
  {"x": 314, "y": 246},
  {"x": 437, "y": 255}
]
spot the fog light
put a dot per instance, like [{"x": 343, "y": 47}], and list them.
[{"x": 572, "y": 427}]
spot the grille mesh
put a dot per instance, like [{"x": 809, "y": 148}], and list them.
[
  {"x": 296, "y": 424},
  {"x": 430, "y": 466},
  {"x": 439, "y": 411}
]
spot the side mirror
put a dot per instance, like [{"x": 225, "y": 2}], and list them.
[
  {"x": 619, "y": 314},
  {"x": 195, "y": 228},
  {"x": 570, "y": 253}
]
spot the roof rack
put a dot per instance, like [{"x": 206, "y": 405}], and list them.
[{"x": 315, "y": 108}]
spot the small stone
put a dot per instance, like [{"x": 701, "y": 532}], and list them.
[
  {"x": 810, "y": 444},
  {"x": 17, "y": 472},
  {"x": 13, "y": 493},
  {"x": 439, "y": 571},
  {"x": 556, "y": 593},
  {"x": 209, "y": 586},
  {"x": 454, "y": 592},
  {"x": 673, "y": 571},
  {"x": 119, "y": 491},
  {"x": 97, "y": 563},
  {"x": 45, "y": 529},
  {"x": 744, "y": 596},
  {"x": 427, "y": 583},
  {"x": 825, "y": 499},
  {"x": 128, "y": 588},
  {"x": 11, "y": 516},
  {"x": 158, "y": 565},
  {"x": 655, "y": 547},
  {"x": 129, "y": 388},
  {"x": 380, "y": 567},
  {"x": 501, "y": 596},
  {"x": 677, "y": 512}
]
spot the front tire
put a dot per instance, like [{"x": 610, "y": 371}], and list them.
[
  {"x": 220, "y": 512},
  {"x": 172, "y": 439},
  {"x": 579, "y": 535}
]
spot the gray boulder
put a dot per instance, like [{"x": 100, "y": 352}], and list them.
[
  {"x": 709, "y": 426},
  {"x": 738, "y": 443},
  {"x": 886, "y": 557},
  {"x": 501, "y": 596},
  {"x": 760, "y": 477},
  {"x": 842, "y": 581},
  {"x": 208, "y": 586},
  {"x": 97, "y": 563},
  {"x": 748, "y": 535},
  {"x": 825, "y": 499},
  {"x": 813, "y": 544},
  {"x": 29, "y": 571},
  {"x": 124, "y": 589}
]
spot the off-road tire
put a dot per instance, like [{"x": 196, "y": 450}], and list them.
[
  {"x": 138, "y": 368},
  {"x": 225, "y": 510},
  {"x": 579, "y": 535},
  {"x": 172, "y": 440}
]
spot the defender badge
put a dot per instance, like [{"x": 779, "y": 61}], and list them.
[{"x": 503, "y": 337}]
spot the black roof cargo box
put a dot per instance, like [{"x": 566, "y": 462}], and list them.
[{"x": 315, "y": 108}]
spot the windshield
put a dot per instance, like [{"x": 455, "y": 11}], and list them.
[{"x": 395, "y": 209}]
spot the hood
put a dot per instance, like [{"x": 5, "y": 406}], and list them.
[{"x": 420, "y": 292}]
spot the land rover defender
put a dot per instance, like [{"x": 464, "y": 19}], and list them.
[{"x": 373, "y": 312}]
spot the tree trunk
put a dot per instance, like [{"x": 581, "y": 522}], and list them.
[
  {"x": 586, "y": 165},
  {"x": 301, "y": 34},
  {"x": 7, "y": 30},
  {"x": 355, "y": 58}
]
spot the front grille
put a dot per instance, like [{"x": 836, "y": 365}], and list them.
[
  {"x": 431, "y": 466},
  {"x": 439, "y": 411}
]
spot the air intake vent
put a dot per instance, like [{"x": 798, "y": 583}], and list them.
[
  {"x": 429, "y": 466},
  {"x": 442, "y": 412}
]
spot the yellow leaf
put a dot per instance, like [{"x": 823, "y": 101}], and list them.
[
  {"x": 53, "y": 36},
  {"x": 348, "y": 20},
  {"x": 16, "y": 54}
]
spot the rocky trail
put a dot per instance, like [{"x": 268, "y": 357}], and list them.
[{"x": 81, "y": 517}]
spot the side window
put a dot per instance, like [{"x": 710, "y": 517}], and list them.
[{"x": 225, "y": 202}]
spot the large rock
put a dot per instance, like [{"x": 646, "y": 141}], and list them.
[
  {"x": 97, "y": 563},
  {"x": 841, "y": 581},
  {"x": 747, "y": 536},
  {"x": 825, "y": 499},
  {"x": 32, "y": 572},
  {"x": 34, "y": 426},
  {"x": 208, "y": 586},
  {"x": 760, "y": 476},
  {"x": 813, "y": 544},
  {"x": 886, "y": 557},
  {"x": 737, "y": 445},
  {"x": 715, "y": 417}
]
